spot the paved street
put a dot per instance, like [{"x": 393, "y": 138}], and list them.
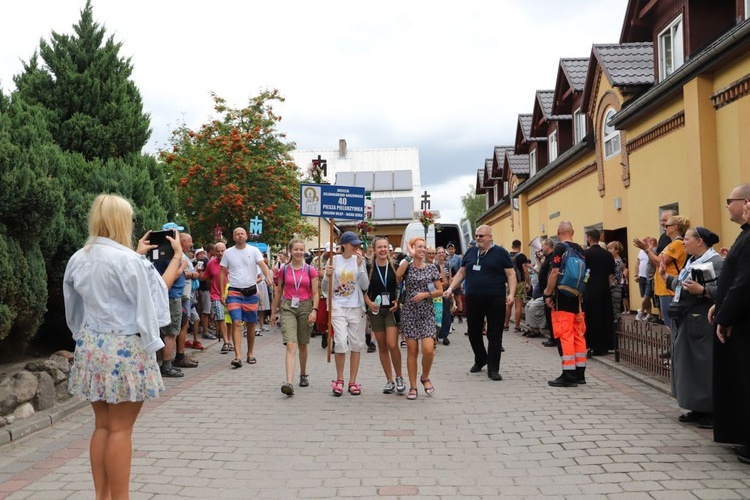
[{"x": 225, "y": 433}]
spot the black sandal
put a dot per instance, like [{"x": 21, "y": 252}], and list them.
[{"x": 237, "y": 363}]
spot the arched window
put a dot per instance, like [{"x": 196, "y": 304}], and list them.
[{"x": 611, "y": 136}]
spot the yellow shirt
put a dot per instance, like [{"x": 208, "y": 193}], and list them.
[{"x": 676, "y": 250}]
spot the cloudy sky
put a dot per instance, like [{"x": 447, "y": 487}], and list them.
[{"x": 447, "y": 77}]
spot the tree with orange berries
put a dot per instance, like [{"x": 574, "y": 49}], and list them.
[{"x": 235, "y": 168}]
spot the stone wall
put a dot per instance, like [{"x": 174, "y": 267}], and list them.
[{"x": 37, "y": 387}]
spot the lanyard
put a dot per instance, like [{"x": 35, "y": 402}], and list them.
[
  {"x": 485, "y": 253},
  {"x": 382, "y": 279},
  {"x": 294, "y": 278}
]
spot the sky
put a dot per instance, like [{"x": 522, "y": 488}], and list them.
[{"x": 447, "y": 77}]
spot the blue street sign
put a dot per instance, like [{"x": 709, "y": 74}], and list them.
[{"x": 332, "y": 202}]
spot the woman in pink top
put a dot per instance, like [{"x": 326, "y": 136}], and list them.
[{"x": 297, "y": 291}]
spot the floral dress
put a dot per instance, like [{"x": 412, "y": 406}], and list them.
[{"x": 418, "y": 318}]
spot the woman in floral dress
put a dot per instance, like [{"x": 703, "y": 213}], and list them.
[
  {"x": 115, "y": 302},
  {"x": 421, "y": 284}
]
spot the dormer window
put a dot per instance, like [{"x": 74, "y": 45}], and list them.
[
  {"x": 671, "y": 49},
  {"x": 611, "y": 135},
  {"x": 495, "y": 197},
  {"x": 747, "y": 9},
  {"x": 516, "y": 205},
  {"x": 532, "y": 162},
  {"x": 552, "y": 145},
  {"x": 579, "y": 124},
  {"x": 505, "y": 188}
]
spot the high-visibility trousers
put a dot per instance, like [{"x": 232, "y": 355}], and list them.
[{"x": 570, "y": 329}]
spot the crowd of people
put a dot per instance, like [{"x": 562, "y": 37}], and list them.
[{"x": 130, "y": 316}]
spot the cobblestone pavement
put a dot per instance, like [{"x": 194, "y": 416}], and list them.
[{"x": 230, "y": 433}]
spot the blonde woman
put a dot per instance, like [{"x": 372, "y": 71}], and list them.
[
  {"x": 297, "y": 294},
  {"x": 422, "y": 283},
  {"x": 115, "y": 302},
  {"x": 382, "y": 304}
]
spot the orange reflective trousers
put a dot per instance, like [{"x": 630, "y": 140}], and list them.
[{"x": 570, "y": 329}]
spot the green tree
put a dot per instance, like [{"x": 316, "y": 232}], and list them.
[
  {"x": 84, "y": 104},
  {"x": 92, "y": 106},
  {"x": 236, "y": 168},
  {"x": 474, "y": 206},
  {"x": 31, "y": 208}
]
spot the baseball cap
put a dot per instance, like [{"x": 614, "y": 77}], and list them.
[
  {"x": 172, "y": 225},
  {"x": 351, "y": 238},
  {"x": 199, "y": 251}
]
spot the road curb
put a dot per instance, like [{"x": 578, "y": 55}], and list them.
[{"x": 39, "y": 421}]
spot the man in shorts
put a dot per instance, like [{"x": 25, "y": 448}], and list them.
[
  {"x": 242, "y": 263},
  {"x": 523, "y": 284},
  {"x": 212, "y": 276},
  {"x": 170, "y": 332}
]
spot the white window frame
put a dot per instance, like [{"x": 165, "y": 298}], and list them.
[
  {"x": 532, "y": 162},
  {"x": 579, "y": 125},
  {"x": 747, "y": 9},
  {"x": 552, "y": 147},
  {"x": 671, "y": 48},
  {"x": 611, "y": 136},
  {"x": 505, "y": 188},
  {"x": 495, "y": 192},
  {"x": 515, "y": 200}
]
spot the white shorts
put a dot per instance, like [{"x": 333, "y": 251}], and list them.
[{"x": 349, "y": 325}]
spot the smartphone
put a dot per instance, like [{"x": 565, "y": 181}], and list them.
[
  {"x": 164, "y": 250},
  {"x": 160, "y": 237}
]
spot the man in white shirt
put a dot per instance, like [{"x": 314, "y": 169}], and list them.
[{"x": 242, "y": 262}]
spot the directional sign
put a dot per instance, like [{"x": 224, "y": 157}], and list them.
[{"x": 332, "y": 202}]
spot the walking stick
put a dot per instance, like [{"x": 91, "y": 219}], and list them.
[{"x": 330, "y": 295}]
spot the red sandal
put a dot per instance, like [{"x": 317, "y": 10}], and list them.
[
  {"x": 338, "y": 387},
  {"x": 355, "y": 389}
]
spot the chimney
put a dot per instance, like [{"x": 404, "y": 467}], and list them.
[{"x": 342, "y": 148}]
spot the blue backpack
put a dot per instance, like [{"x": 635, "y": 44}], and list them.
[{"x": 573, "y": 273}]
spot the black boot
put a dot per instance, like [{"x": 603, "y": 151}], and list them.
[
  {"x": 324, "y": 340},
  {"x": 581, "y": 375},
  {"x": 567, "y": 379}
]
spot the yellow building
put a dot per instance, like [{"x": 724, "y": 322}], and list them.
[{"x": 657, "y": 121}]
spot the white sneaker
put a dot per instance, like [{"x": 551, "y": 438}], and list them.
[
  {"x": 400, "y": 386},
  {"x": 639, "y": 316},
  {"x": 265, "y": 328}
]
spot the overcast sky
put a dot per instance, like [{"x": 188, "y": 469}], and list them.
[{"x": 447, "y": 77}]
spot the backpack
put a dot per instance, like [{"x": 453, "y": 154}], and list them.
[{"x": 573, "y": 272}]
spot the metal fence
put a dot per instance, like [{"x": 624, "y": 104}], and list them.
[{"x": 641, "y": 345}]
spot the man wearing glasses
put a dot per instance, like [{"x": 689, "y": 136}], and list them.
[
  {"x": 487, "y": 268},
  {"x": 731, "y": 382}
]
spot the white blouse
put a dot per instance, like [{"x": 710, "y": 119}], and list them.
[{"x": 111, "y": 289}]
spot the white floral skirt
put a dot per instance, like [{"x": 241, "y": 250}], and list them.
[{"x": 113, "y": 368}]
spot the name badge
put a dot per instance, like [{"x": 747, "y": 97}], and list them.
[
  {"x": 677, "y": 293},
  {"x": 476, "y": 267},
  {"x": 385, "y": 300},
  {"x": 295, "y": 302}
]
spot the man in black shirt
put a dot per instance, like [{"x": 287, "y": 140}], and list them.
[
  {"x": 597, "y": 300},
  {"x": 568, "y": 323},
  {"x": 537, "y": 313},
  {"x": 523, "y": 284},
  {"x": 487, "y": 268},
  {"x": 732, "y": 346}
]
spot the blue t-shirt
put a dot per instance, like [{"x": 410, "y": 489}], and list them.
[
  {"x": 178, "y": 287},
  {"x": 491, "y": 278}
]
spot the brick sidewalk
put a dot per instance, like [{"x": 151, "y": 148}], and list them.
[{"x": 225, "y": 433}]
